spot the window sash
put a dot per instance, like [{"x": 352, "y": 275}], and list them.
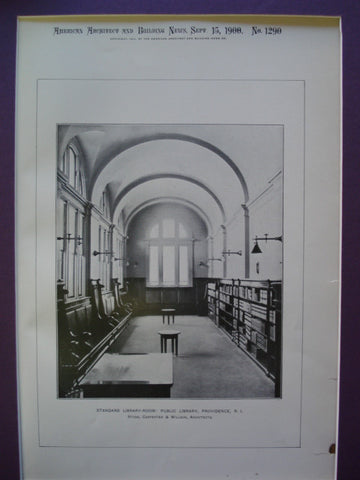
[
  {"x": 180, "y": 254},
  {"x": 154, "y": 270},
  {"x": 169, "y": 269},
  {"x": 184, "y": 265}
]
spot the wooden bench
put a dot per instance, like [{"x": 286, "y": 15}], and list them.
[{"x": 86, "y": 328}]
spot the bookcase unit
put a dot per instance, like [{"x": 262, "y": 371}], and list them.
[
  {"x": 212, "y": 296},
  {"x": 250, "y": 313}
]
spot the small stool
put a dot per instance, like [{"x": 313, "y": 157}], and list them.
[
  {"x": 169, "y": 312},
  {"x": 166, "y": 335}
]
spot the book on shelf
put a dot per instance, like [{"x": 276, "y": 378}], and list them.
[
  {"x": 258, "y": 325},
  {"x": 261, "y": 341},
  {"x": 272, "y": 334},
  {"x": 245, "y": 306}
]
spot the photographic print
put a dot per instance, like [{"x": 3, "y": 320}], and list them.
[{"x": 169, "y": 260}]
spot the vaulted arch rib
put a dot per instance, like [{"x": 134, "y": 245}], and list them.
[
  {"x": 158, "y": 176},
  {"x": 173, "y": 136}
]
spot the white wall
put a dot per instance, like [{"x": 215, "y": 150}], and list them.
[{"x": 266, "y": 217}]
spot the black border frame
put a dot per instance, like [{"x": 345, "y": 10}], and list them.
[{"x": 349, "y": 11}]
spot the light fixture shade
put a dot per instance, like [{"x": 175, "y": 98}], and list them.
[
  {"x": 256, "y": 248},
  {"x": 203, "y": 264}
]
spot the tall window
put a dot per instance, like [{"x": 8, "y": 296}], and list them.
[
  {"x": 105, "y": 204},
  {"x": 71, "y": 168},
  {"x": 169, "y": 255},
  {"x": 118, "y": 265},
  {"x": 71, "y": 255},
  {"x": 71, "y": 226},
  {"x": 104, "y": 260}
]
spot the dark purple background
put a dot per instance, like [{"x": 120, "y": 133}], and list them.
[{"x": 349, "y": 10}]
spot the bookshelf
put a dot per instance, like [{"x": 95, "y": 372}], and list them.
[
  {"x": 213, "y": 307},
  {"x": 250, "y": 313}
]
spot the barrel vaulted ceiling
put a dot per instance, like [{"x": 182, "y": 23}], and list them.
[{"x": 214, "y": 169}]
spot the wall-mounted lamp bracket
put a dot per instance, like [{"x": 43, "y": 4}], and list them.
[
  {"x": 203, "y": 264},
  {"x": 96, "y": 253},
  {"x": 228, "y": 252},
  {"x": 206, "y": 265},
  {"x": 68, "y": 237},
  {"x": 266, "y": 237}
]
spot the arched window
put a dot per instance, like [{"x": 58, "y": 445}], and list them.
[
  {"x": 105, "y": 204},
  {"x": 71, "y": 225},
  {"x": 169, "y": 255},
  {"x": 71, "y": 168}
]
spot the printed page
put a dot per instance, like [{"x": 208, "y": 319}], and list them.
[{"x": 178, "y": 218}]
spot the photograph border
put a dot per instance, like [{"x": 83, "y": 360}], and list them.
[{"x": 176, "y": 128}]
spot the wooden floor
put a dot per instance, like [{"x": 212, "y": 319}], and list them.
[{"x": 209, "y": 364}]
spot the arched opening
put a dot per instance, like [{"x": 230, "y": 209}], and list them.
[{"x": 167, "y": 244}]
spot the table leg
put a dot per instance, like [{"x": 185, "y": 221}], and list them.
[{"x": 176, "y": 346}]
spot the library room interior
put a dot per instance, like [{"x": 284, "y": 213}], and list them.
[{"x": 169, "y": 253}]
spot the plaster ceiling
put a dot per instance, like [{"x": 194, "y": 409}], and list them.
[{"x": 217, "y": 167}]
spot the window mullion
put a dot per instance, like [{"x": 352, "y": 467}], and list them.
[
  {"x": 161, "y": 280},
  {"x": 177, "y": 267}
]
